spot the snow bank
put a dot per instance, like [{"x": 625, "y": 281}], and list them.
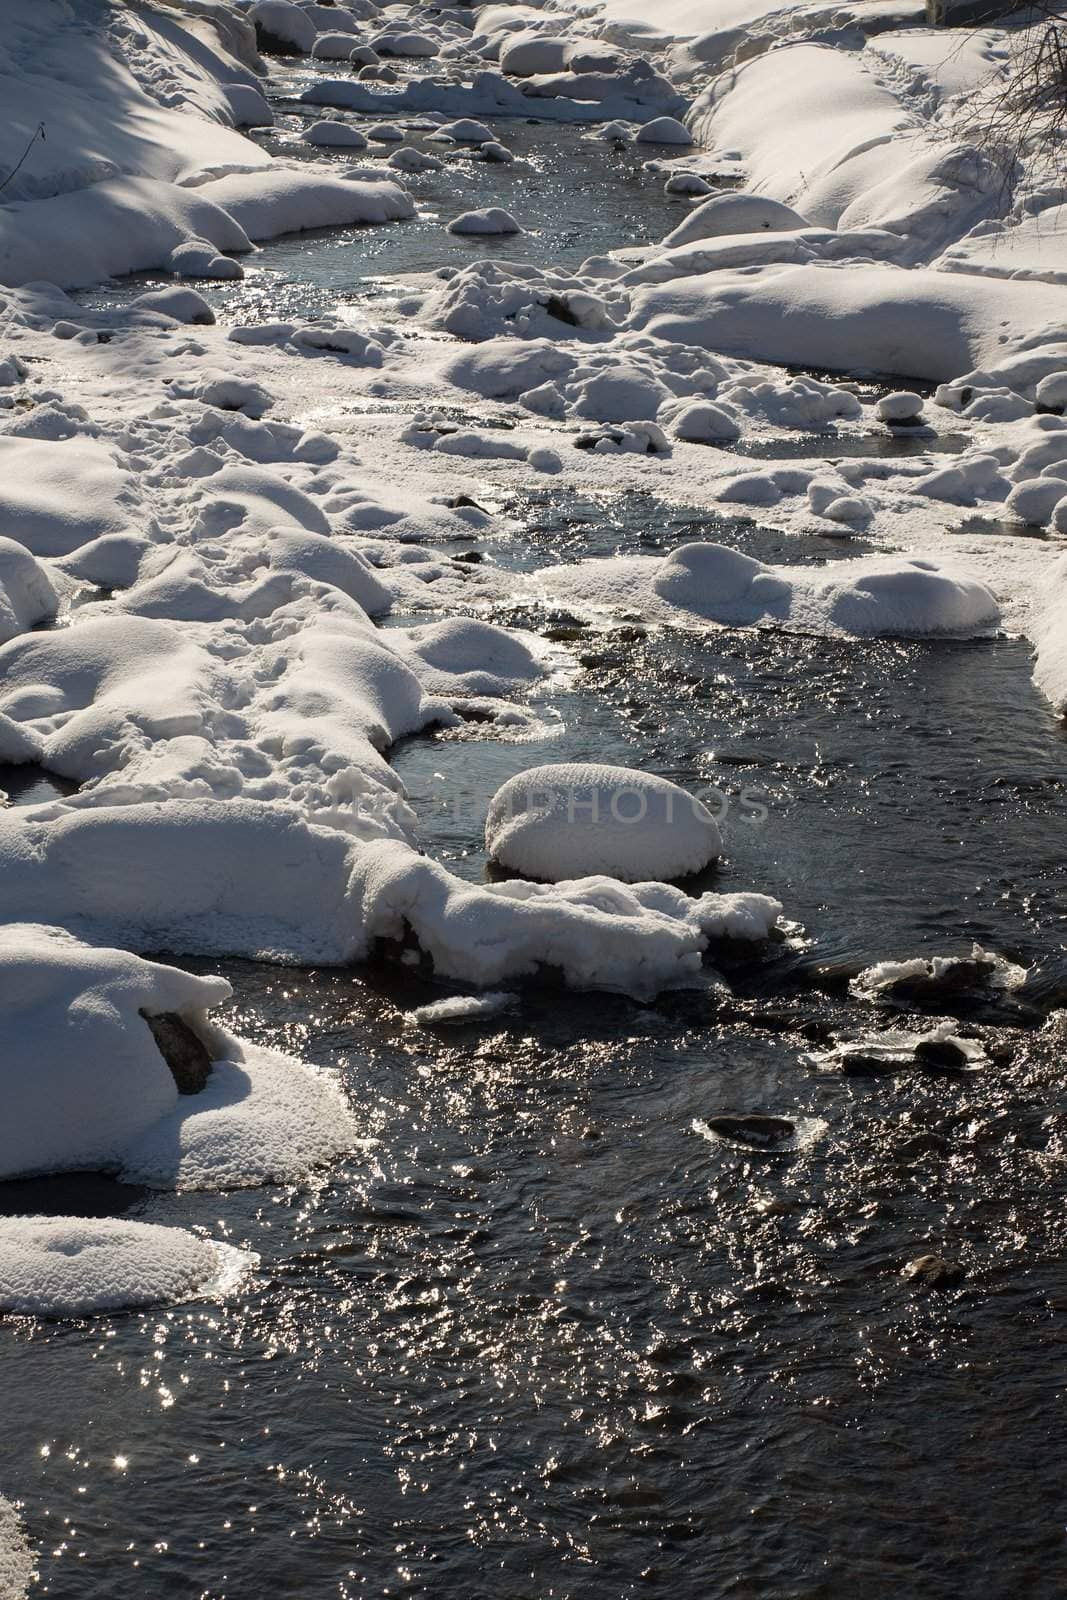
[
  {"x": 841, "y": 149},
  {"x": 73, "y": 1267},
  {"x": 251, "y": 879},
  {"x": 1050, "y": 636},
  {"x": 16, "y": 1557},
  {"x": 912, "y": 323},
  {"x": 575, "y": 819},
  {"x": 86, "y": 1085},
  {"x": 123, "y": 225},
  {"x": 889, "y": 595}
]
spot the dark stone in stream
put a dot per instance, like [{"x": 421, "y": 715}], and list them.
[
  {"x": 183, "y": 1050},
  {"x": 754, "y": 1128},
  {"x": 941, "y": 1055},
  {"x": 933, "y": 1272},
  {"x": 860, "y": 1063},
  {"x": 472, "y": 557}
]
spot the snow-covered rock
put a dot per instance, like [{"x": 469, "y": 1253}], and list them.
[
  {"x": 283, "y": 27},
  {"x": 335, "y": 135},
  {"x": 556, "y": 823},
  {"x": 664, "y": 130},
  {"x": 491, "y": 220},
  {"x": 87, "y": 1087}
]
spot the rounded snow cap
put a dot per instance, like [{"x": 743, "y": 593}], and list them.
[{"x": 578, "y": 820}]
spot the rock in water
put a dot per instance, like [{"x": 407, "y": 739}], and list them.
[
  {"x": 941, "y": 1055},
  {"x": 183, "y": 1050},
  {"x": 754, "y": 1128},
  {"x": 933, "y": 1272}
]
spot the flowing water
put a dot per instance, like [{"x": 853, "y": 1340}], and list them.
[{"x": 548, "y": 1336}]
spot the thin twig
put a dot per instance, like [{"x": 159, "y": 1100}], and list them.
[{"x": 38, "y": 133}]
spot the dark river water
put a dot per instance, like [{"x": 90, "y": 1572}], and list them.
[{"x": 547, "y": 1338}]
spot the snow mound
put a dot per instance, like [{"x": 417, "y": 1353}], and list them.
[
  {"x": 86, "y": 1085},
  {"x": 560, "y": 822},
  {"x": 737, "y": 212},
  {"x": 664, "y": 130},
  {"x": 74, "y": 1267},
  {"x": 916, "y": 323},
  {"x": 292, "y": 199},
  {"x": 335, "y": 134},
  {"x": 881, "y": 595},
  {"x": 26, "y": 592},
  {"x": 491, "y": 220}
]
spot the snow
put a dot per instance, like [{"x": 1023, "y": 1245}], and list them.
[
  {"x": 335, "y": 133},
  {"x": 26, "y": 592},
  {"x": 463, "y": 1008},
  {"x": 734, "y": 213},
  {"x": 86, "y": 1086},
  {"x": 710, "y": 583},
  {"x": 664, "y": 130},
  {"x": 71, "y": 1267},
  {"x": 567, "y": 821},
  {"x": 16, "y": 1557},
  {"x": 917, "y": 323},
  {"x": 491, "y": 220}
]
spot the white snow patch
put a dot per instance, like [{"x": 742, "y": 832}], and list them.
[
  {"x": 575, "y": 819},
  {"x": 77, "y": 1267}
]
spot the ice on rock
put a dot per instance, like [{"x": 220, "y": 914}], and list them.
[
  {"x": 26, "y": 593},
  {"x": 76, "y": 1267},
  {"x": 16, "y": 1557},
  {"x": 386, "y": 133},
  {"x": 335, "y": 134},
  {"x": 493, "y": 151},
  {"x": 556, "y": 823},
  {"x": 87, "y": 1088},
  {"x": 490, "y": 220}
]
